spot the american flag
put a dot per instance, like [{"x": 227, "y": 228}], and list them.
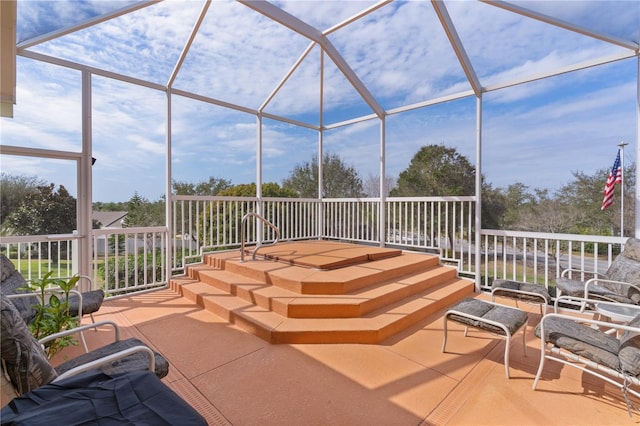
[{"x": 615, "y": 176}]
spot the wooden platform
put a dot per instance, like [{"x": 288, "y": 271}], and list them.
[{"x": 323, "y": 292}]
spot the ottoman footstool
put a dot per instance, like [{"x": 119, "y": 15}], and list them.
[
  {"x": 501, "y": 320},
  {"x": 535, "y": 294}
]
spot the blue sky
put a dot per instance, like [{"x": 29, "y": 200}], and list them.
[{"x": 536, "y": 133}]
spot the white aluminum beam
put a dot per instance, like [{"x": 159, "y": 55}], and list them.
[
  {"x": 355, "y": 17},
  {"x": 39, "y": 152},
  {"x": 558, "y": 71},
  {"x": 563, "y": 24},
  {"x": 287, "y": 76},
  {"x": 435, "y": 101},
  {"x": 456, "y": 44},
  {"x": 84, "y": 24},
  {"x": 95, "y": 71},
  {"x": 192, "y": 36},
  {"x": 278, "y": 15}
]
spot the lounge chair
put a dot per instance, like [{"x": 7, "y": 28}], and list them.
[
  {"x": 589, "y": 345},
  {"x": 621, "y": 282},
  {"x": 26, "y": 363}
]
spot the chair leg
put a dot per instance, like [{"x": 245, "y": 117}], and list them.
[
  {"x": 444, "y": 339},
  {"x": 84, "y": 342},
  {"x": 540, "y": 367},
  {"x": 506, "y": 354}
]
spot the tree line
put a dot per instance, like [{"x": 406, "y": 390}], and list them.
[{"x": 31, "y": 206}]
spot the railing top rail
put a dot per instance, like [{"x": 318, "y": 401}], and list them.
[
  {"x": 211, "y": 198},
  {"x": 331, "y": 200},
  {"x": 434, "y": 199},
  {"x": 136, "y": 230},
  {"x": 38, "y": 238},
  {"x": 554, "y": 236}
]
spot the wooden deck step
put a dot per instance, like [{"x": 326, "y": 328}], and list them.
[
  {"x": 295, "y": 305},
  {"x": 369, "y": 329},
  {"x": 288, "y": 303}
]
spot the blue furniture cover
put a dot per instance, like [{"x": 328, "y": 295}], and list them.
[{"x": 96, "y": 398}]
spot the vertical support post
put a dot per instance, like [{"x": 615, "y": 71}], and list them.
[
  {"x": 382, "y": 215},
  {"x": 259, "y": 224},
  {"x": 622, "y": 145},
  {"x": 84, "y": 202},
  {"x": 478, "y": 215},
  {"x": 320, "y": 210},
  {"x": 168, "y": 208},
  {"x": 637, "y": 194}
]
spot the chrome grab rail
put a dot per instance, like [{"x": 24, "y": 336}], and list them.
[{"x": 258, "y": 244}]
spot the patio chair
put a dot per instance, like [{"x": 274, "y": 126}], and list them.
[
  {"x": 621, "y": 282},
  {"x": 27, "y": 365},
  {"x": 80, "y": 302},
  {"x": 589, "y": 345}
]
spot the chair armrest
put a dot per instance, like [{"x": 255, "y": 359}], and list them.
[
  {"x": 582, "y": 271},
  {"x": 582, "y": 320},
  {"x": 49, "y": 290},
  {"x": 597, "y": 281},
  {"x": 583, "y": 302},
  {"x": 108, "y": 360},
  {"x": 82, "y": 328}
]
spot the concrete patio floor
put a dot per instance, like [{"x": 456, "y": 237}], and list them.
[{"x": 234, "y": 378}]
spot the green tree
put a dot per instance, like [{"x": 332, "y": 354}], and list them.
[
  {"x": 111, "y": 206},
  {"x": 141, "y": 212},
  {"x": 517, "y": 199},
  {"x": 270, "y": 189},
  {"x": 339, "y": 180},
  {"x": 436, "y": 170},
  {"x": 14, "y": 190},
  {"x": 44, "y": 212},
  {"x": 211, "y": 187},
  {"x": 372, "y": 185}
]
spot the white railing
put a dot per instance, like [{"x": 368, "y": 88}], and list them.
[
  {"x": 35, "y": 256},
  {"x": 443, "y": 224},
  {"x": 132, "y": 259},
  {"x": 129, "y": 259},
  {"x": 123, "y": 260},
  {"x": 541, "y": 257}
]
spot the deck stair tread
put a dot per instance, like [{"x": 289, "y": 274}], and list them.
[
  {"x": 371, "y": 328},
  {"x": 292, "y": 304},
  {"x": 360, "y": 303},
  {"x": 338, "y": 281}
]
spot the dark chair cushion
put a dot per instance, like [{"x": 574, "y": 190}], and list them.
[
  {"x": 520, "y": 286},
  {"x": 26, "y": 363},
  {"x": 91, "y": 302},
  {"x": 582, "y": 340},
  {"x": 512, "y": 318},
  {"x": 137, "y": 361},
  {"x": 630, "y": 349}
]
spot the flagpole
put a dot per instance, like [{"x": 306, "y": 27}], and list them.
[{"x": 622, "y": 145}]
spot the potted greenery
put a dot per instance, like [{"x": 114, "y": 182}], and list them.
[{"x": 52, "y": 311}]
